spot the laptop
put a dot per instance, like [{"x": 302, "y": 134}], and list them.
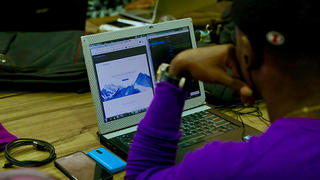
[
  {"x": 173, "y": 8},
  {"x": 121, "y": 66}
]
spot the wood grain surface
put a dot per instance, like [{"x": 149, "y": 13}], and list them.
[{"x": 66, "y": 120}]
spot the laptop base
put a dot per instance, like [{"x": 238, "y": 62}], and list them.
[{"x": 236, "y": 134}]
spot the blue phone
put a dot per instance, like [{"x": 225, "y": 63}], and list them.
[{"x": 107, "y": 159}]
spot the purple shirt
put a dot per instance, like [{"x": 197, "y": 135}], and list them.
[
  {"x": 5, "y": 137},
  {"x": 289, "y": 149}
]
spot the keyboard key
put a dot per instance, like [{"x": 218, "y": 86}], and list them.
[
  {"x": 221, "y": 123},
  {"x": 193, "y": 136},
  {"x": 192, "y": 141}
]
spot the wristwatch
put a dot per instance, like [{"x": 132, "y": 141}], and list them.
[{"x": 164, "y": 75}]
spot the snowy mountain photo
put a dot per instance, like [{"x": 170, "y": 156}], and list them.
[{"x": 111, "y": 91}]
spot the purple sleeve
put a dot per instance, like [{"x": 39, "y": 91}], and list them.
[
  {"x": 5, "y": 137},
  {"x": 155, "y": 142},
  {"x": 273, "y": 155},
  {"x": 153, "y": 151}
]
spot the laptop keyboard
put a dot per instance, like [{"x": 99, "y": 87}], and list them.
[
  {"x": 194, "y": 128},
  {"x": 127, "y": 138}
]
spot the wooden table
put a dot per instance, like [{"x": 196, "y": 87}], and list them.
[{"x": 66, "y": 120}]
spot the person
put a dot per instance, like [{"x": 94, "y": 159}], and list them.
[{"x": 275, "y": 56}]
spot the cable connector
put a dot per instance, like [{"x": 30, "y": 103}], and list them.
[
  {"x": 7, "y": 165},
  {"x": 39, "y": 146}
]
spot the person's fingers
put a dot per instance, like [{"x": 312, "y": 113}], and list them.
[
  {"x": 234, "y": 66},
  {"x": 248, "y": 100},
  {"x": 246, "y": 91},
  {"x": 241, "y": 87},
  {"x": 221, "y": 77}
]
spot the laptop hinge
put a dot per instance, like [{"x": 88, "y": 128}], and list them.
[
  {"x": 134, "y": 128},
  {"x": 195, "y": 110}
]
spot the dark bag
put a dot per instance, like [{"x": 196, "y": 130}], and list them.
[{"x": 42, "y": 61}]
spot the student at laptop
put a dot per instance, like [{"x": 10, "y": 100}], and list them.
[{"x": 275, "y": 58}]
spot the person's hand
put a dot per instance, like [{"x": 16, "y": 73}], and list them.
[
  {"x": 210, "y": 64},
  {"x": 140, "y": 4}
]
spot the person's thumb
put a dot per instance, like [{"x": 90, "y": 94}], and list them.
[{"x": 242, "y": 88}]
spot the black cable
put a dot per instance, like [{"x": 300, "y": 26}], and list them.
[
  {"x": 255, "y": 111},
  {"x": 37, "y": 144},
  {"x": 239, "y": 110}
]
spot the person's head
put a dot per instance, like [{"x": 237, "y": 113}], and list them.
[{"x": 281, "y": 33}]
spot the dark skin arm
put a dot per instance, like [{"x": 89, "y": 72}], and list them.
[{"x": 210, "y": 64}]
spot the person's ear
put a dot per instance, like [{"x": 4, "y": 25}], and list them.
[{"x": 247, "y": 52}]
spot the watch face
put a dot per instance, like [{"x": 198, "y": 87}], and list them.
[{"x": 161, "y": 69}]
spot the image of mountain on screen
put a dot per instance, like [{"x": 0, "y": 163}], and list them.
[{"x": 111, "y": 91}]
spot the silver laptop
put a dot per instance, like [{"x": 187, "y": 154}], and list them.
[
  {"x": 173, "y": 8},
  {"x": 121, "y": 67}
]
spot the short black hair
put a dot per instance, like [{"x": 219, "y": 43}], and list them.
[{"x": 297, "y": 20}]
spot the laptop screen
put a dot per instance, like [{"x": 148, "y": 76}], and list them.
[{"x": 126, "y": 70}]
